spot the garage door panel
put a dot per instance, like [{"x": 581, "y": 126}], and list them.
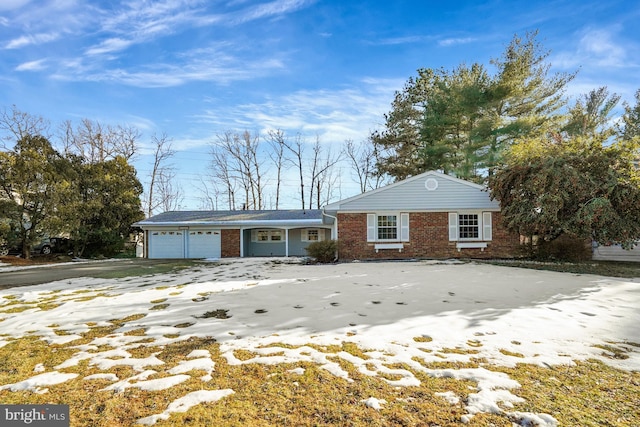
[
  {"x": 166, "y": 244},
  {"x": 204, "y": 244}
]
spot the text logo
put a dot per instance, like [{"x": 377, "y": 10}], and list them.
[{"x": 34, "y": 415}]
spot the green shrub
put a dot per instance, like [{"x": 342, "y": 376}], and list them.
[{"x": 324, "y": 251}]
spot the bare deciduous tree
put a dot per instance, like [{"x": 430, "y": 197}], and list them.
[
  {"x": 238, "y": 163},
  {"x": 169, "y": 192},
  {"x": 221, "y": 176},
  {"x": 363, "y": 158},
  {"x": 296, "y": 149},
  {"x": 276, "y": 138},
  {"x": 210, "y": 193},
  {"x": 162, "y": 192},
  {"x": 242, "y": 157},
  {"x": 17, "y": 125},
  {"x": 320, "y": 176},
  {"x": 95, "y": 142}
]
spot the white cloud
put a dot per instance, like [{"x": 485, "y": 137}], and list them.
[
  {"x": 214, "y": 63},
  {"x": 271, "y": 9},
  {"x": 34, "y": 39},
  {"x": 110, "y": 45},
  {"x": 455, "y": 41},
  {"x": 400, "y": 40},
  {"x": 60, "y": 16},
  {"x": 596, "y": 47},
  {"x": 599, "y": 45},
  {"x": 32, "y": 65},
  {"x": 333, "y": 115}
]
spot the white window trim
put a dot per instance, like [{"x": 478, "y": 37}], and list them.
[
  {"x": 402, "y": 227},
  {"x": 485, "y": 223},
  {"x": 479, "y": 227},
  {"x": 270, "y": 233},
  {"x": 305, "y": 234}
]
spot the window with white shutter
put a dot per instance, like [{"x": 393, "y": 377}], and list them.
[{"x": 388, "y": 227}]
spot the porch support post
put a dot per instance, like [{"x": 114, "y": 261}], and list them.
[
  {"x": 241, "y": 242},
  {"x": 286, "y": 242}
]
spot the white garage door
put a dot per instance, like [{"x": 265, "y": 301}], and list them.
[
  {"x": 166, "y": 244},
  {"x": 203, "y": 244}
]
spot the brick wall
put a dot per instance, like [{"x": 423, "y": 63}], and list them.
[
  {"x": 428, "y": 238},
  {"x": 230, "y": 243}
]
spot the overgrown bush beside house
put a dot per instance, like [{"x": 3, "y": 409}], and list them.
[
  {"x": 564, "y": 248},
  {"x": 324, "y": 251}
]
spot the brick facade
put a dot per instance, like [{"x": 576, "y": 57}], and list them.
[
  {"x": 230, "y": 243},
  {"x": 428, "y": 238}
]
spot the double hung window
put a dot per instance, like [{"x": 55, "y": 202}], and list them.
[
  {"x": 312, "y": 235},
  {"x": 470, "y": 226},
  {"x": 388, "y": 227},
  {"x": 265, "y": 236}
]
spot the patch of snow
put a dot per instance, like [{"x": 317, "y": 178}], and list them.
[
  {"x": 184, "y": 403},
  {"x": 33, "y": 383},
  {"x": 198, "y": 354},
  {"x": 140, "y": 381},
  {"x": 374, "y": 403},
  {"x": 39, "y": 368},
  {"x": 107, "y": 376},
  {"x": 450, "y": 397},
  {"x": 297, "y": 371},
  {"x": 161, "y": 383},
  {"x": 200, "y": 364},
  {"x": 527, "y": 419},
  {"x": 335, "y": 370}
]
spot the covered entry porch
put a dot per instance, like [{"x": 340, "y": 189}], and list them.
[{"x": 280, "y": 241}]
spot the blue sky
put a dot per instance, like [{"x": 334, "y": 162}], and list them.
[{"x": 194, "y": 69}]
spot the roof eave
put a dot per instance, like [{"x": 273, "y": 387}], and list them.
[{"x": 242, "y": 223}]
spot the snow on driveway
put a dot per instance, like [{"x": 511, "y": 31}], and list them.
[{"x": 397, "y": 312}]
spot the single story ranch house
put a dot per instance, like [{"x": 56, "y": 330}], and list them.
[{"x": 431, "y": 215}]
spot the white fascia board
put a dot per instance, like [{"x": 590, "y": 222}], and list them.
[
  {"x": 394, "y": 210},
  {"x": 235, "y": 224}
]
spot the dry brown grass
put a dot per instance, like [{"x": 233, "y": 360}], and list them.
[{"x": 587, "y": 394}]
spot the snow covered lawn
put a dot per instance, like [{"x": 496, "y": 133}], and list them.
[{"x": 380, "y": 331}]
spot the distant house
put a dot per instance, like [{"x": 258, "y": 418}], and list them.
[
  {"x": 430, "y": 215},
  {"x": 616, "y": 253}
]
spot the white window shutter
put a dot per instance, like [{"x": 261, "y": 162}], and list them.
[
  {"x": 304, "y": 235},
  {"x": 453, "y": 227},
  {"x": 486, "y": 226},
  {"x": 371, "y": 227},
  {"x": 404, "y": 227},
  {"x": 254, "y": 235},
  {"x": 321, "y": 234}
]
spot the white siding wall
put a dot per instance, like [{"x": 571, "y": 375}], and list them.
[{"x": 412, "y": 194}]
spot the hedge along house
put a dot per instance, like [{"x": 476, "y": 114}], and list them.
[
  {"x": 215, "y": 234},
  {"x": 431, "y": 215}
]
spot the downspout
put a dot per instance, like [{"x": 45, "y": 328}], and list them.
[{"x": 335, "y": 223}]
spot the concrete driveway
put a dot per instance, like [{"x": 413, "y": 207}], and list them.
[{"x": 25, "y": 276}]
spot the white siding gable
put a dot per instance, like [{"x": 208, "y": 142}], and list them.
[{"x": 430, "y": 191}]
